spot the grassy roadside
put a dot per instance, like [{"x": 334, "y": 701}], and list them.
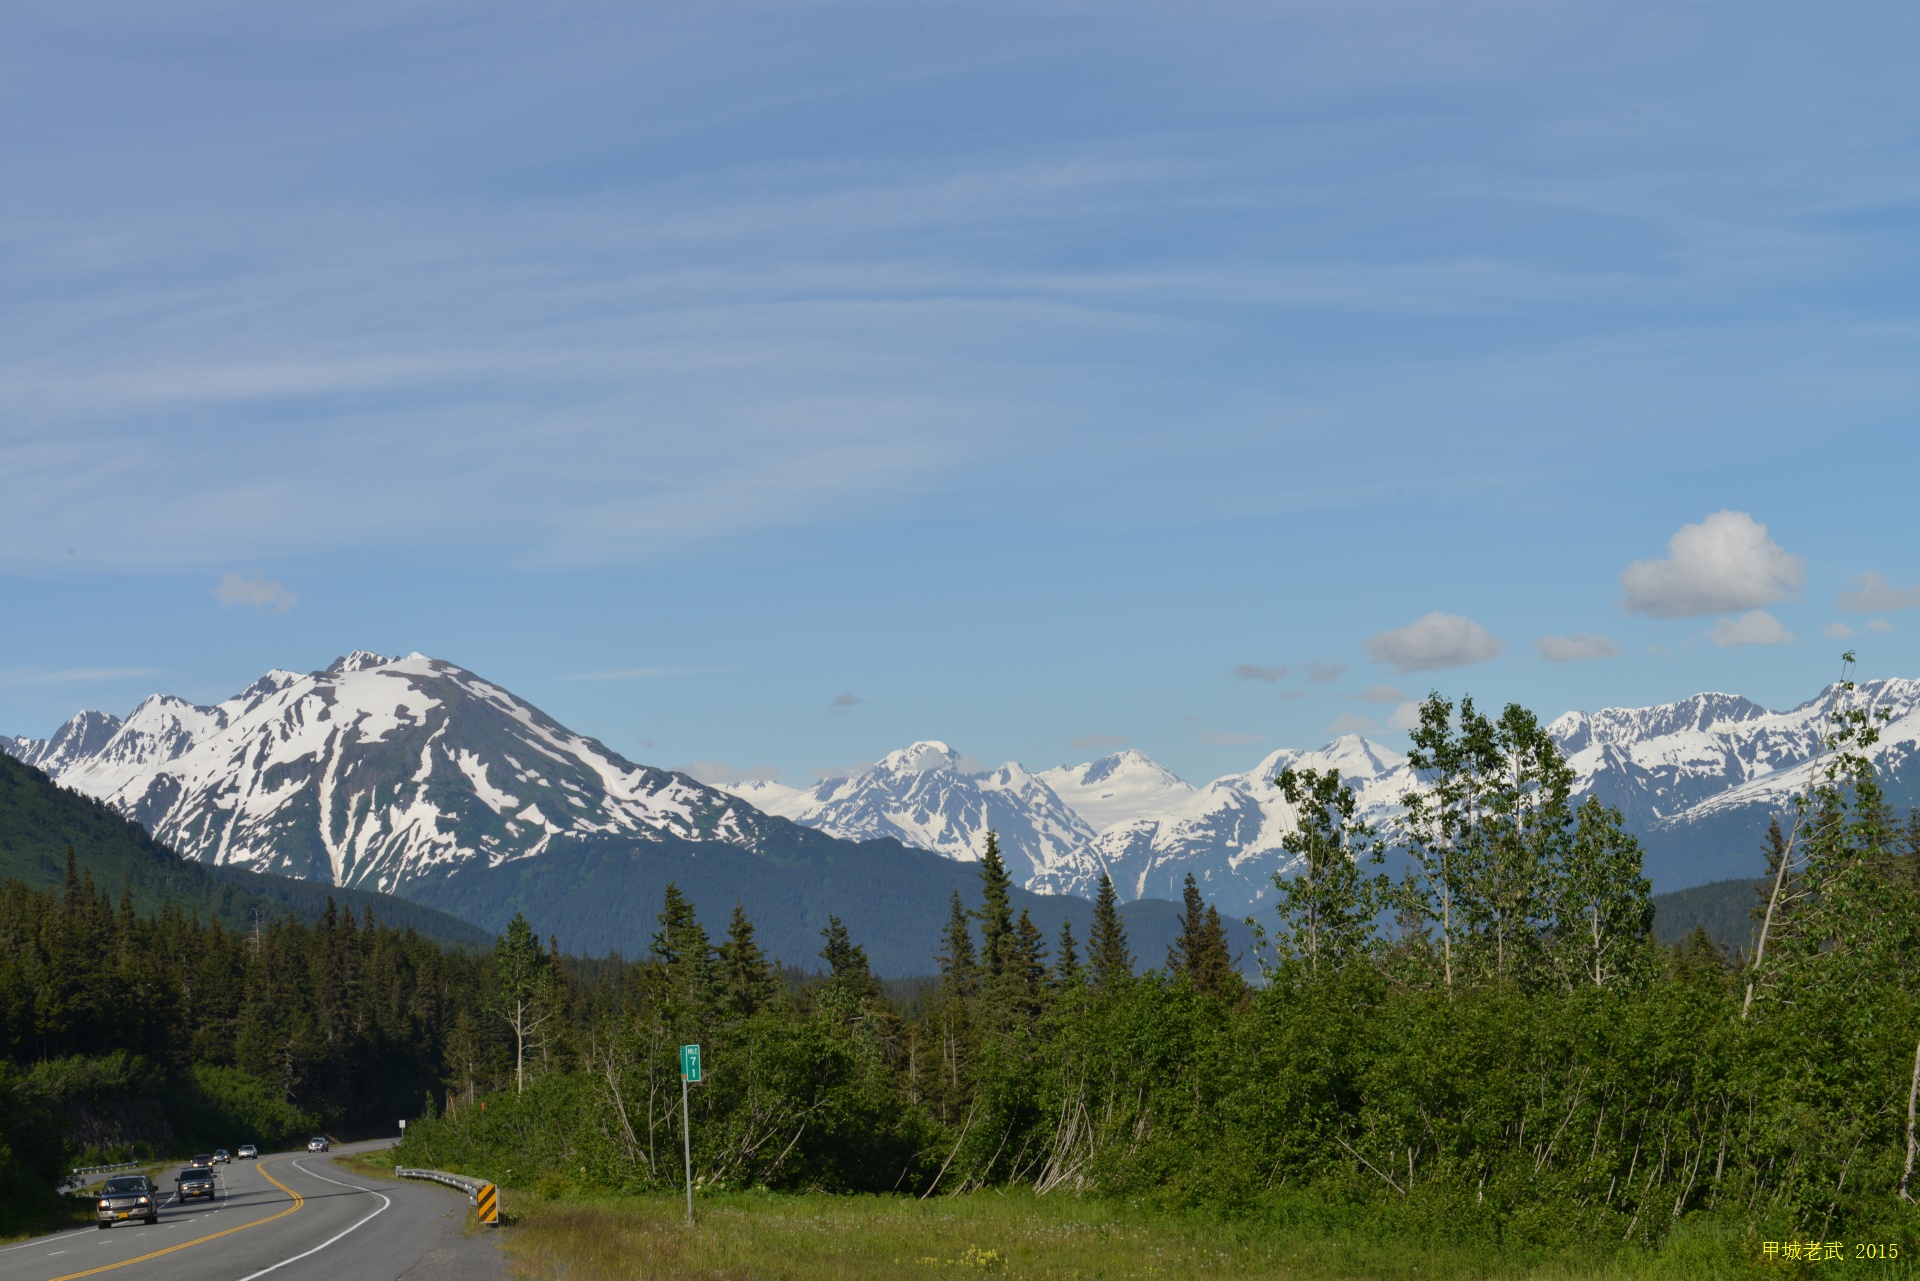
[{"x": 809, "y": 1237}]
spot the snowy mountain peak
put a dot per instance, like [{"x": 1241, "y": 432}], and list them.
[
  {"x": 359, "y": 661},
  {"x": 376, "y": 771},
  {"x": 1116, "y": 789},
  {"x": 920, "y": 758},
  {"x": 929, "y": 796}
]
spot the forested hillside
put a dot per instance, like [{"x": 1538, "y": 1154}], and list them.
[{"x": 40, "y": 822}]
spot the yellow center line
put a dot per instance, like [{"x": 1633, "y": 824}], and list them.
[{"x": 298, "y": 1201}]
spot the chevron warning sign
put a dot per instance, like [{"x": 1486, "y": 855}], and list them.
[{"x": 487, "y": 1204}]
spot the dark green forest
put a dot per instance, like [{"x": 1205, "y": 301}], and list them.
[{"x": 1491, "y": 1044}]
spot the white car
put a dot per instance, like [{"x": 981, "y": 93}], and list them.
[
  {"x": 318, "y": 1143},
  {"x": 248, "y": 1152}
]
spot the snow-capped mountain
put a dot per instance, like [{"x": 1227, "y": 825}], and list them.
[
  {"x": 929, "y": 796},
  {"x": 1228, "y": 834},
  {"x": 387, "y": 773},
  {"x": 374, "y": 772},
  {"x": 1115, "y": 789},
  {"x": 1656, "y": 763}
]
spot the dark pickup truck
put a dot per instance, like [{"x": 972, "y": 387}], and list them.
[
  {"x": 129, "y": 1196},
  {"x": 195, "y": 1181}
]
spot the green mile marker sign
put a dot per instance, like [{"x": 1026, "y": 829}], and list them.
[{"x": 690, "y": 1063}]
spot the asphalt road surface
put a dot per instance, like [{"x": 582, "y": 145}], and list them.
[{"x": 290, "y": 1216}]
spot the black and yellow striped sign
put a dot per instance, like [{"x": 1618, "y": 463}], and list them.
[{"x": 487, "y": 1203}]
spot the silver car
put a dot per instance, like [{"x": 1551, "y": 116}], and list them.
[{"x": 128, "y": 1196}]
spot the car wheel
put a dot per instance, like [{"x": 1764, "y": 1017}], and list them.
[
  {"x": 152, "y": 1219},
  {"x": 103, "y": 1226}
]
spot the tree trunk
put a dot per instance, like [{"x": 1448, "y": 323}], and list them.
[{"x": 1913, "y": 1140}]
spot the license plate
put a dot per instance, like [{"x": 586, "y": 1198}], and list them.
[{"x": 121, "y": 1215}]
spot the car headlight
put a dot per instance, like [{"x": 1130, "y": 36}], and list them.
[
  {"x": 141, "y": 1201},
  {"x": 106, "y": 1205}
]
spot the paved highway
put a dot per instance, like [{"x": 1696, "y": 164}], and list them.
[{"x": 290, "y": 1216}]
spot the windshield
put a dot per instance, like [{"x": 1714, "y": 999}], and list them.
[
  {"x": 127, "y": 1183},
  {"x": 195, "y": 1173}
]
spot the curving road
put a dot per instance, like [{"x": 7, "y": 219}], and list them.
[{"x": 289, "y": 1216}]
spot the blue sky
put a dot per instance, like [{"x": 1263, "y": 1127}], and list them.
[{"x": 773, "y": 384}]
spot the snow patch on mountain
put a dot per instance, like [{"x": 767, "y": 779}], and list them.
[
  {"x": 1119, "y": 788},
  {"x": 928, "y": 795},
  {"x": 376, "y": 771}
]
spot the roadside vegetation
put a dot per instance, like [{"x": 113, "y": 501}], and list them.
[{"x": 1509, "y": 1077}]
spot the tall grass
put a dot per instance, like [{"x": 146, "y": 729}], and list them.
[{"x": 812, "y": 1237}]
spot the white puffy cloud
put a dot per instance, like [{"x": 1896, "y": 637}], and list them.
[
  {"x": 1837, "y": 631},
  {"x": 1406, "y": 716},
  {"x": 1567, "y": 649},
  {"x": 1434, "y": 642},
  {"x": 1871, "y": 593},
  {"x": 1725, "y": 563},
  {"x": 1348, "y": 723},
  {"x": 1879, "y": 625},
  {"x": 1755, "y": 627},
  {"x": 256, "y": 591}
]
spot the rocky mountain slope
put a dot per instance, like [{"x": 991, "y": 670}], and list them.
[
  {"x": 1697, "y": 780},
  {"x": 375, "y": 772},
  {"x": 407, "y": 774}
]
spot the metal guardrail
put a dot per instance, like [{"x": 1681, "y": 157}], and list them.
[
  {"x": 79, "y": 1178},
  {"x": 481, "y": 1195}
]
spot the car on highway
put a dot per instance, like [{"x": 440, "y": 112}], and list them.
[
  {"x": 318, "y": 1143},
  {"x": 222, "y": 1157},
  {"x": 195, "y": 1181},
  {"x": 128, "y": 1196},
  {"x": 248, "y": 1152}
]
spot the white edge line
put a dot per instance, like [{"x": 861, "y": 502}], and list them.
[
  {"x": 57, "y": 1236},
  {"x": 385, "y": 1201}
]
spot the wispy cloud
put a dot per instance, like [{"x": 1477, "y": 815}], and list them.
[
  {"x": 1251, "y": 672},
  {"x": 74, "y": 675},
  {"x": 1435, "y": 642},
  {"x": 1325, "y": 673},
  {"x": 254, "y": 591},
  {"x": 1381, "y": 694},
  {"x": 1578, "y": 646},
  {"x": 1871, "y": 593},
  {"x": 1348, "y": 723},
  {"x": 1086, "y": 742},
  {"x": 1755, "y": 627},
  {"x": 844, "y": 702}
]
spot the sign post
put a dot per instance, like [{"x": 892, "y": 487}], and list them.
[{"x": 689, "y": 1074}]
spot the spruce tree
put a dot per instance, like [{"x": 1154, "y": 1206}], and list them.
[
  {"x": 959, "y": 967},
  {"x": 1066, "y": 969},
  {"x": 1107, "y": 954},
  {"x": 682, "y": 951},
  {"x": 1201, "y": 951},
  {"x": 995, "y": 914},
  {"x": 747, "y": 981},
  {"x": 849, "y": 972}
]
